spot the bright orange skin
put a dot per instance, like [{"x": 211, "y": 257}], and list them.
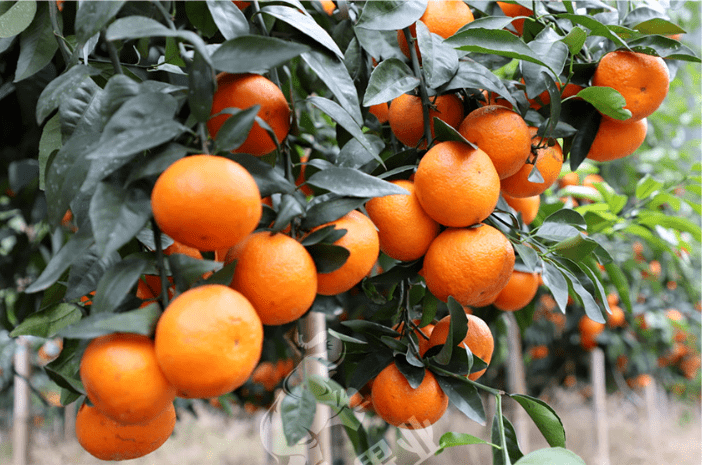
[
  {"x": 405, "y": 230},
  {"x": 407, "y": 120},
  {"x": 544, "y": 97},
  {"x": 208, "y": 341},
  {"x": 206, "y": 202},
  {"x": 328, "y": 6},
  {"x": 538, "y": 352},
  {"x": 242, "y": 5},
  {"x": 617, "y": 318},
  {"x": 617, "y": 139},
  {"x": 442, "y": 17},
  {"x": 123, "y": 380},
  {"x": 182, "y": 249},
  {"x": 512, "y": 10},
  {"x": 361, "y": 240},
  {"x": 380, "y": 111},
  {"x": 492, "y": 98},
  {"x": 569, "y": 179},
  {"x": 690, "y": 366},
  {"x": 468, "y": 264},
  {"x": 519, "y": 291},
  {"x": 456, "y": 184},
  {"x": 589, "y": 330},
  {"x": 527, "y": 206},
  {"x": 674, "y": 314},
  {"x": 107, "y": 439},
  {"x": 244, "y": 91},
  {"x": 423, "y": 342},
  {"x": 397, "y": 403},
  {"x": 276, "y": 274},
  {"x": 643, "y": 80},
  {"x": 549, "y": 161},
  {"x": 502, "y": 134},
  {"x": 478, "y": 339}
]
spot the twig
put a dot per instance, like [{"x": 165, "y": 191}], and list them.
[{"x": 422, "y": 84}]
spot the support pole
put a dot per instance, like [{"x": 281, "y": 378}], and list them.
[
  {"x": 599, "y": 393},
  {"x": 69, "y": 421},
  {"x": 314, "y": 336},
  {"x": 653, "y": 419},
  {"x": 516, "y": 380},
  {"x": 20, "y": 421}
]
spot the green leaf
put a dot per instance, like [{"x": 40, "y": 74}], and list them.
[
  {"x": 567, "y": 217},
  {"x": 187, "y": 270},
  {"x": 17, "y": 18},
  {"x": 64, "y": 370},
  {"x": 464, "y": 397},
  {"x": 556, "y": 232},
  {"x": 555, "y": 455},
  {"x": 390, "y": 79},
  {"x": 200, "y": 88},
  {"x": 575, "y": 40},
  {"x": 199, "y": 15},
  {"x": 513, "y": 452},
  {"x": 229, "y": 19},
  {"x": 156, "y": 162},
  {"x": 391, "y": 15},
  {"x": 528, "y": 255},
  {"x": 557, "y": 284},
  {"x": 502, "y": 43},
  {"x": 117, "y": 282},
  {"x": 290, "y": 207},
  {"x": 268, "y": 179},
  {"x": 413, "y": 374},
  {"x": 255, "y": 54},
  {"x": 297, "y": 412},
  {"x": 61, "y": 88},
  {"x": 37, "y": 45},
  {"x": 305, "y": 24},
  {"x": 330, "y": 210},
  {"x": 544, "y": 417},
  {"x": 658, "y": 26},
  {"x": 49, "y": 142},
  {"x": 458, "y": 328},
  {"x": 328, "y": 257},
  {"x": 607, "y": 101},
  {"x": 652, "y": 219},
  {"x": 87, "y": 271},
  {"x": 139, "y": 321},
  {"x": 445, "y": 132},
  {"x": 569, "y": 270},
  {"x": 646, "y": 186},
  {"x": 596, "y": 28},
  {"x": 344, "y": 119},
  {"x": 576, "y": 248},
  {"x": 619, "y": 279},
  {"x": 664, "y": 47},
  {"x": 459, "y": 439},
  {"x": 439, "y": 60},
  {"x": 117, "y": 214},
  {"x": 47, "y": 323},
  {"x": 474, "y": 75},
  {"x": 235, "y": 128},
  {"x": 353, "y": 183},
  {"x": 91, "y": 17}
]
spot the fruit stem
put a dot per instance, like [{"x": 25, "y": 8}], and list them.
[
  {"x": 112, "y": 51},
  {"x": 501, "y": 428},
  {"x": 489, "y": 390},
  {"x": 422, "y": 84},
  {"x": 53, "y": 14},
  {"x": 160, "y": 263}
]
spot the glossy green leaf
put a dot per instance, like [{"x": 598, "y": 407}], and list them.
[
  {"x": 544, "y": 417},
  {"x": 353, "y": 183},
  {"x": 344, "y": 119},
  {"x": 235, "y": 128},
  {"x": 60, "y": 88},
  {"x": 390, "y": 79},
  {"x": 328, "y": 257},
  {"x": 664, "y": 47},
  {"x": 513, "y": 452},
  {"x": 255, "y": 54},
  {"x": 49, "y": 142},
  {"x": 439, "y": 60},
  {"x": 17, "y": 18},
  {"x": 555, "y": 455},
  {"x": 575, "y": 39},
  {"x": 464, "y": 397},
  {"x": 87, "y": 271},
  {"x": 229, "y": 19},
  {"x": 117, "y": 282},
  {"x": 557, "y": 284},
  {"x": 607, "y": 101},
  {"x": 200, "y": 88},
  {"x": 596, "y": 28},
  {"x": 37, "y": 45},
  {"x": 459, "y": 439},
  {"x": 297, "y": 410},
  {"x": 646, "y": 186},
  {"x": 474, "y": 75},
  {"x": 330, "y": 210},
  {"x": 305, "y": 24},
  {"x": 140, "y": 321},
  {"x": 391, "y": 15},
  {"x": 91, "y": 17},
  {"x": 47, "y": 323},
  {"x": 268, "y": 179}
]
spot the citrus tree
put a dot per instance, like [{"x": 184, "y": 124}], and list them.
[{"x": 188, "y": 181}]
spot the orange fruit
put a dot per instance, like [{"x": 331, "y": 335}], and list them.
[
  {"x": 244, "y": 91},
  {"x": 149, "y": 287},
  {"x": 380, "y": 111},
  {"x": 456, "y": 184},
  {"x": 107, "y": 439},
  {"x": 538, "y": 352},
  {"x": 617, "y": 139},
  {"x": 468, "y": 264},
  {"x": 674, "y": 314},
  {"x": 527, "y": 206},
  {"x": 690, "y": 366},
  {"x": 591, "y": 179},
  {"x": 442, "y": 17},
  {"x": 423, "y": 342},
  {"x": 299, "y": 182},
  {"x": 404, "y": 228},
  {"x": 519, "y": 291},
  {"x": 122, "y": 378},
  {"x": 612, "y": 299},
  {"x": 549, "y": 161},
  {"x": 502, "y": 134},
  {"x": 276, "y": 274},
  {"x": 513, "y": 10},
  {"x": 491, "y": 98},
  {"x": 242, "y": 5},
  {"x": 569, "y": 179},
  {"x": 397, "y": 403},
  {"x": 478, "y": 339},
  {"x": 544, "y": 98},
  {"x": 328, "y": 6},
  {"x": 182, "y": 249},
  {"x": 361, "y": 240},
  {"x": 407, "y": 120},
  {"x": 622, "y": 363},
  {"x": 643, "y": 80},
  {"x": 617, "y": 317},
  {"x": 208, "y": 341},
  {"x": 206, "y": 202},
  {"x": 589, "y": 330},
  {"x": 265, "y": 375}
]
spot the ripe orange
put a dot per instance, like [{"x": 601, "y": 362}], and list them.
[
  {"x": 265, "y": 375},
  {"x": 544, "y": 98},
  {"x": 242, "y": 5},
  {"x": 397, "y": 403},
  {"x": 328, "y": 6},
  {"x": 642, "y": 79},
  {"x": 404, "y": 228},
  {"x": 527, "y": 206},
  {"x": 107, "y": 439},
  {"x": 617, "y": 318},
  {"x": 491, "y": 98},
  {"x": 591, "y": 179},
  {"x": 514, "y": 10},
  {"x": 549, "y": 161},
  {"x": 182, "y": 249},
  {"x": 276, "y": 274},
  {"x": 206, "y": 202},
  {"x": 407, "y": 120},
  {"x": 208, "y": 341},
  {"x": 538, "y": 352},
  {"x": 244, "y": 91},
  {"x": 423, "y": 342},
  {"x": 589, "y": 330},
  {"x": 301, "y": 178},
  {"x": 612, "y": 299},
  {"x": 380, "y": 111},
  {"x": 569, "y": 179},
  {"x": 456, "y": 184},
  {"x": 674, "y": 314},
  {"x": 690, "y": 366},
  {"x": 149, "y": 287},
  {"x": 502, "y": 134},
  {"x": 519, "y": 291},
  {"x": 442, "y": 17},
  {"x": 617, "y": 139},
  {"x": 122, "y": 378},
  {"x": 361, "y": 240},
  {"x": 478, "y": 339},
  {"x": 468, "y": 264}
]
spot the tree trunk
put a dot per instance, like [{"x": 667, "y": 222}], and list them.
[
  {"x": 516, "y": 381},
  {"x": 600, "y": 405},
  {"x": 20, "y": 421}
]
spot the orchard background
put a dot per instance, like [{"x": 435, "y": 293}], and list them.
[{"x": 99, "y": 98}]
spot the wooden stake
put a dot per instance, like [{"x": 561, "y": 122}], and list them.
[
  {"x": 516, "y": 380},
  {"x": 69, "y": 421},
  {"x": 20, "y": 421},
  {"x": 653, "y": 419},
  {"x": 597, "y": 373}
]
